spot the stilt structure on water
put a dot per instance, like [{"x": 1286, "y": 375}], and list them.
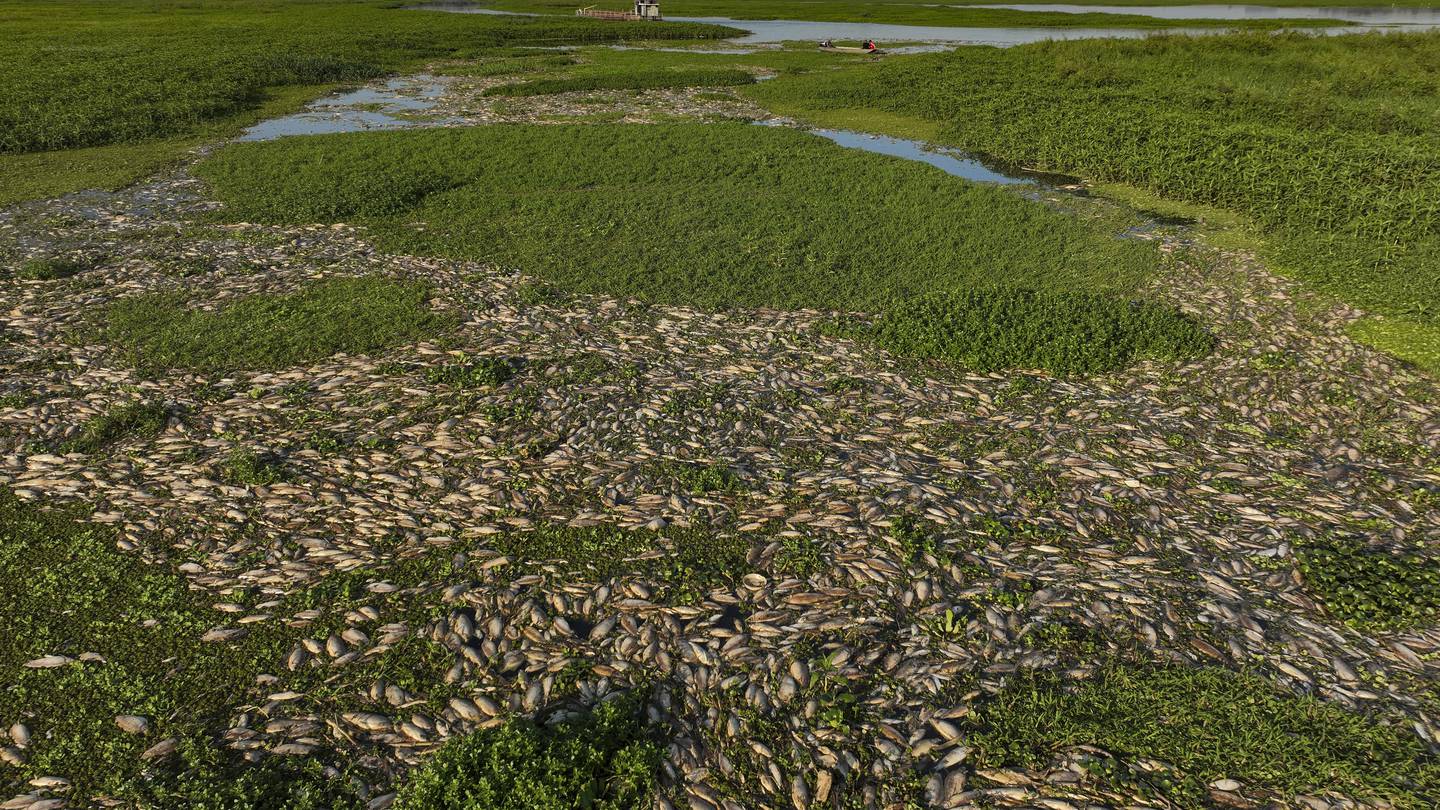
[{"x": 644, "y": 10}]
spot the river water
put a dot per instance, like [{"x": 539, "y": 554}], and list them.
[
  {"x": 1379, "y": 15},
  {"x": 773, "y": 31}
]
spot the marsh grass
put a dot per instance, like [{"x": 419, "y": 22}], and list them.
[
  {"x": 352, "y": 315},
  {"x": 1064, "y": 333},
  {"x": 50, "y": 269},
  {"x": 67, "y": 591},
  {"x": 482, "y": 372},
  {"x": 132, "y": 419},
  {"x": 1415, "y": 343},
  {"x": 86, "y": 74},
  {"x": 246, "y": 467},
  {"x": 605, "y": 759},
  {"x": 1207, "y": 724},
  {"x": 1322, "y": 145},
  {"x": 776, "y": 218}
]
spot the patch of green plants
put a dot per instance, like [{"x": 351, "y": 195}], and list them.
[
  {"x": 82, "y": 74},
  {"x": 50, "y": 269},
  {"x": 352, "y": 315},
  {"x": 1323, "y": 144},
  {"x": 69, "y": 591},
  {"x": 206, "y": 777},
  {"x": 801, "y": 557},
  {"x": 760, "y": 206},
  {"x": 699, "y": 479},
  {"x": 1370, "y": 587},
  {"x": 1064, "y": 333},
  {"x": 717, "y": 77},
  {"x": 1416, "y": 343},
  {"x": 245, "y": 467},
  {"x": 606, "y": 759},
  {"x": 132, "y": 419},
  {"x": 1207, "y": 724},
  {"x": 482, "y": 372}
]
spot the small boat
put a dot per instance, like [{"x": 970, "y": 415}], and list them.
[{"x": 846, "y": 49}]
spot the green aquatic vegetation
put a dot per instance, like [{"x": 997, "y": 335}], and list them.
[
  {"x": 760, "y": 207},
  {"x": 1416, "y": 343},
  {"x": 50, "y": 269},
  {"x": 483, "y": 372},
  {"x": 1064, "y": 333},
  {"x": 245, "y": 467},
  {"x": 625, "y": 81},
  {"x": 351, "y": 315},
  {"x": 1371, "y": 587},
  {"x": 85, "y": 74},
  {"x": 132, "y": 419},
  {"x": 605, "y": 759},
  {"x": 801, "y": 557},
  {"x": 1207, "y": 723},
  {"x": 68, "y": 590},
  {"x": 1324, "y": 145},
  {"x": 699, "y": 479}
]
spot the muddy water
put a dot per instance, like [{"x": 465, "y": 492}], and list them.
[{"x": 369, "y": 108}]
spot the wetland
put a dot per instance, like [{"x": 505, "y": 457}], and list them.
[{"x": 411, "y": 409}]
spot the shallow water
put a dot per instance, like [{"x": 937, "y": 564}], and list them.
[
  {"x": 1372, "y": 16},
  {"x": 954, "y": 163},
  {"x": 802, "y": 30},
  {"x": 360, "y": 110},
  {"x": 771, "y": 31}
]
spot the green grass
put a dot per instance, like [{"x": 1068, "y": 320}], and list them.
[
  {"x": 1064, "y": 333},
  {"x": 652, "y": 81},
  {"x": 137, "y": 419},
  {"x": 41, "y": 175},
  {"x": 245, "y": 467},
  {"x": 900, "y": 12},
  {"x": 1368, "y": 587},
  {"x": 483, "y": 372},
  {"x": 50, "y": 269},
  {"x": 775, "y": 217},
  {"x": 100, "y": 95},
  {"x": 1415, "y": 343},
  {"x": 351, "y": 315},
  {"x": 86, "y": 74},
  {"x": 1323, "y": 146},
  {"x": 68, "y": 591},
  {"x": 1207, "y": 724},
  {"x": 606, "y": 759}
]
